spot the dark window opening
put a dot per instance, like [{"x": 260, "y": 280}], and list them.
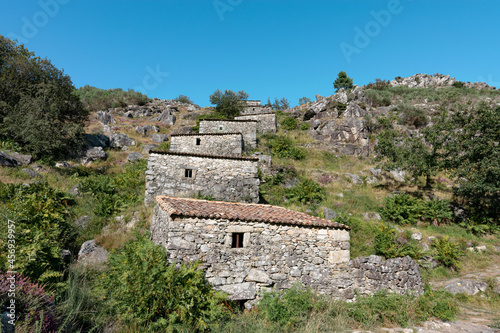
[
  {"x": 237, "y": 240},
  {"x": 220, "y": 128},
  {"x": 188, "y": 173},
  {"x": 198, "y": 141}
]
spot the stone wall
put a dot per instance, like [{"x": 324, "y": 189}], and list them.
[
  {"x": 272, "y": 255},
  {"x": 248, "y": 128},
  {"x": 211, "y": 144},
  {"x": 187, "y": 175},
  {"x": 266, "y": 121},
  {"x": 397, "y": 275}
]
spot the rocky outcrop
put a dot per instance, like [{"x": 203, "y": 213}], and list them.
[
  {"x": 434, "y": 81},
  {"x": 159, "y": 138},
  {"x": 134, "y": 156},
  {"x": 166, "y": 118},
  {"x": 91, "y": 254},
  {"x": 146, "y": 129},
  {"x": 105, "y": 118},
  {"x": 93, "y": 154},
  {"x": 120, "y": 140},
  {"x": 96, "y": 140},
  {"x": 469, "y": 287},
  {"x": 7, "y": 160}
]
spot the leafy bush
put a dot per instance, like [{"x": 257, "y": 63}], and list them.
[
  {"x": 107, "y": 201},
  {"x": 402, "y": 209},
  {"x": 390, "y": 244},
  {"x": 288, "y": 308},
  {"x": 447, "y": 252},
  {"x": 42, "y": 230},
  {"x": 289, "y": 123},
  {"x": 141, "y": 288},
  {"x": 378, "y": 84},
  {"x": 35, "y": 310},
  {"x": 39, "y": 109},
  {"x": 304, "y": 100},
  {"x": 282, "y": 146},
  {"x": 383, "y": 308},
  {"x": 183, "y": 99},
  {"x": 307, "y": 191},
  {"x": 304, "y": 126},
  {"x": 410, "y": 115},
  {"x": 407, "y": 210},
  {"x": 96, "y": 99}
]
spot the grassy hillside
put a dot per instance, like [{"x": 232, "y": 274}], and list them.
[{"x": 305, "y": 177}]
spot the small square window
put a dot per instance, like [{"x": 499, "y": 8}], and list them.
[
  {"x": 237, "y": 240},
  {"x": 188, "y": 173},
  {"x": 220, "y": 128},
  {"x": 198, "y": 141}
]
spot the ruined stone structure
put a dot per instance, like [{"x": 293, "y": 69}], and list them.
[
  {"x": 266, "y": 121},
  {"x": 254, "y": 107},
  {"x": 227, "y": 144},
  {"x": 187, "y": 175},
  {"x": 248, "y": 248},
  {"x": 248, "y": 128}
]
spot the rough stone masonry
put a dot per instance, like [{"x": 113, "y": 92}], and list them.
[
  {"x": 186, "y": 175},
  {"x": 247, "y": 128},
  {"x": 226, "y": 144},
  {"x": 248, "y": 248}
]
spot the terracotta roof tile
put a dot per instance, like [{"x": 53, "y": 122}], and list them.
[{"x": 241, "y": 211}]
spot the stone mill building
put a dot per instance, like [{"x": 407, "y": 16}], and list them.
[{"x": 245, "y": 247}]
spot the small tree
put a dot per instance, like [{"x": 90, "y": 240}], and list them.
[
  {"x": 281, "y": 104},
  {"x": 228, "y": 103},
  {"x": 342, "y": 81},
  {"x": 39, "y": 108},
  {"x": 418, "y": 154},
  {"x": 183, "y": 99},
  {"x": 304, "y": 100}
]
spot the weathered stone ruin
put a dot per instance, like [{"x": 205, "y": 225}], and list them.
[
  {"x": 178, "y": 174},
  {"x": 247, "y": 128},
  {"x": 266, "y": 121},
  {"x": 226, "y": 144},
  {"x": 248, "y": 248},
  {"x": 254, "y": 107}
]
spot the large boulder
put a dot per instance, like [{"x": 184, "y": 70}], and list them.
[
  {"x": 469, "y": 287},
  {"x": 120, "y": 140},
  {"x": 22, "y": 159},
  {"x": 96, "y": 140},
  {"x": 91, "y": 254},
  {"x": 146, "y": 129},
  {"x": 105, "y": 118},
  {"x": 166, "y": 118},
  {"x": 134, "y": 156},
  {"x": 7, "y": 160},
  {"x": 159, "y": 138},
  {"x": 93, "y": 154}
]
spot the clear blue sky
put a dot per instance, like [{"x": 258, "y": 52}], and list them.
[{"x": 269, "y": 48}]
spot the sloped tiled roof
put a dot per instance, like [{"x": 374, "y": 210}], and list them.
[
  {"x": 223, "y": 157},
  {"x": 241, "y": 211}
]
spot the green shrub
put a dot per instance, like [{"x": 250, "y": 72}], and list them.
[
  {"x": 307, "y": 192},
  {"x": 41, "y": 218},
  {"x": 304, "y": 126},
  {"x": 402, "y": 209},
  {"x": 96, "y": 99},
  {"x": 289, "y": 123},
  {"x": 410, "y": 115},
  {"x": 447, "y": 252},
  {"x": 390, "y": 244},
  {"x": 141, "y": 288},
  {"x": 282, "y": 146},
  {"x": 288, "y": 308},
  {"x": 407, "y": 210},
  {"x": 183, "y": 99}
]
